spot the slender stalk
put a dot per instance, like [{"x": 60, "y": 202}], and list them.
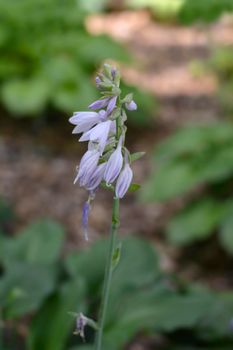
[{"x": 108, "y": 274}]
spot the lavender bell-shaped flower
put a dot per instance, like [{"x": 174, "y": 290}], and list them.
[
  {"x": 124, "y": 181},
  {"x": 99, "y": 133},
  {"x": 84, "y": 121},
  {"x": 111, "y": 105},
  {"x": 96, "y": 177},
  {"x": 114, "y": 164},
  {"x": 87, "y": 165},
  {"x": 99, "y": 103},
  {"x": 131, "y": 106}
]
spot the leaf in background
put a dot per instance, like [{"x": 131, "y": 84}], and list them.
[
  {"x": 192, "y": 156},
  {"x": 39, "y": 243},
  {"x": 226, "y": 234},
  {"x": 196, "y": 222},
  {"x": 95, "y": 49},
  {"x": 136, "y": 156},
  {"x": 25, "y": 96},
  {"x": 52, "y": 326},
  {"x": 134, "y": 187},
  {"x": 89, "y": 264},
  {"x": 217, "y": 323},
  {"x": 138, "y": 267},
  {"x": 6, "y": 215},
  {"x": 169, "y": 181},
  {"x": 24, "y": 287},
  {"x": 147, "y": 106},
  {"x": 157, "y": 310}
]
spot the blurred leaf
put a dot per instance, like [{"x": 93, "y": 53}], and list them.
[
  {"x": 24, "y": 287},
  {"x": 6, "y": 214},
  {"x": 226, "y": 234},
  {"x": 134, "y": 187},
  {"x": 41, "y": 243},
  {"x": 158, "y": 310},
  {"x": 190, "y": 157},
  {"x": 25, "y": 96},
  {"x": 136, "y": 156},
  {"x": 54, "y": 314},
  {"x": 196, "y": 222},
  {"x": 217, "y": 322},
  {"x": 147, "y": 106}
]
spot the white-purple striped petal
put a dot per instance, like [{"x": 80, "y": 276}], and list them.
[
  {"x": 99, "y": 103},
  {"x": 84, "y": 121},
  {"x": 99, "y": 133},
  {"x": 111, "y": 104},
  {"x": 96, "y": 177},
  {"x": 131, "y": 106},
  {"x": 114, "y": 165},
  {"x": 124, "y": 181},
  {"x": 87, "y": 165}
]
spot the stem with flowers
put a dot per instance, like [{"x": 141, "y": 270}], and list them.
[{"x": 107, "y": 163}]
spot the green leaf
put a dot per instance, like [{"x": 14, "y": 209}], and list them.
[
  {"x": 40, "y": 243},
  {"x": 25, "y": 96},
  {"x": 24, "y": 287},
  {"x": 134, "y": 187},
  {"x": 157, "y": 310},
  {"x": 116, "y": 255},
  {"x": 54, "y": 314},
  {"x": 136, "y": 156},
  {"x": 189, "y": 158},
  {"x": 196, "y": 222},
  {"x": 226, "y": 234}
]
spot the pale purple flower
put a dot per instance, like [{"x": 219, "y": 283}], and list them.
[
  {"x": 124, "y": 181},
  {"x": 81, "y": 322},
  {"x": 84, "y": 121},
  {"x": 111, "y": 104},
  {"x": 99, "y": 133},
  {"x": 96, "y": 177},
  {"x": 114, "y": 165},
  {"x": 87, "y": 165},
  {"x": 86, "y": 209},
  {"x": 131, "y": 106},
  {"x": 99, "y": 103},
  {"x": 97, "y": 80},
  {"x": 113, "y": 72}
]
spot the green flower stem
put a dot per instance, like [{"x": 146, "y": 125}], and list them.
[{"x": 108, "y": 274}]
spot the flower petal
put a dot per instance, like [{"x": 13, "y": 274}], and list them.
[{"x": 124, "y": 181}]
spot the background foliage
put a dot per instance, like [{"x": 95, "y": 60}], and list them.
[
  {"x": 48, "y": 59},
  {"x": 45, "y": 287}
]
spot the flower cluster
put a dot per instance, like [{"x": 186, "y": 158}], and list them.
[{"x": 107, "y": 160}]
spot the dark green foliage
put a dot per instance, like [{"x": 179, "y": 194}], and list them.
[
  {"x": 48, "y": 57},
  {"x": 221, "y": 65},
  {"x": 196, "y": 156},
  {"x": 142, "y": 298}
]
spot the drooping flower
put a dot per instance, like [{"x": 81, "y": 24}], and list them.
[
  {"x": 111, "y": 104},
  {"x": 124, "y": 181},
  {"x": 87, "y": 165},
  {"x": 84, "y": 121},
  {"x": 96, "y": 177},
  {"x": 85, "y": 216},
  {"x": 131, "y": 106},
  {"x": 99, "y": 133},
  {"x": 99, "y": 103},
  {"x": 114, "y": 164},
  {"x": 81, "y": 322}
]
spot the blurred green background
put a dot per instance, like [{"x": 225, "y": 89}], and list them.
[{"x": 173, "y": 287}]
